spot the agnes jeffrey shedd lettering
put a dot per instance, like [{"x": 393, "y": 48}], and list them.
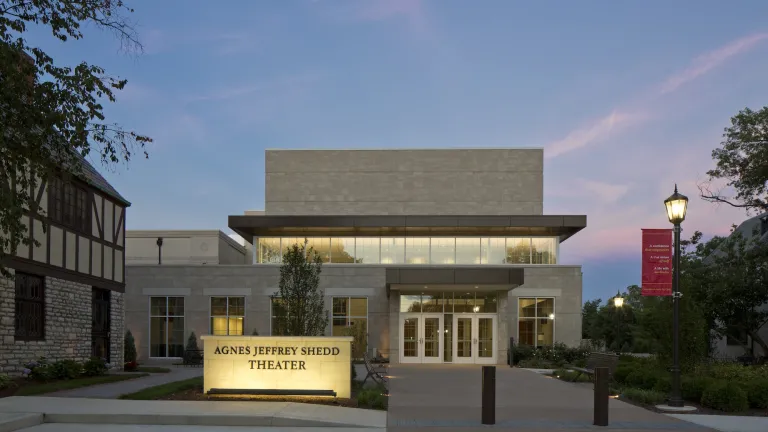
[{"x": 247, "y": 350}]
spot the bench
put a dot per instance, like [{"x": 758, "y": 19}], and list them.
[
  {"x": 376, "y": 371},
  {"x": 193, "y": 358},
  {"x": 596, "y": 360}
]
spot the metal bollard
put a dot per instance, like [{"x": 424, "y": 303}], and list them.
[
  {"x": 489, "y": 395},
  {"x": 601, "y": 396}
]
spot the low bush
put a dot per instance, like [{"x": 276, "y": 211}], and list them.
[
  {"x": 95, "y": 367},
  {"x": 567, "y": 375},
  {"x": 757, "y": 393},
  {"x": 647, "y": 397},
  {"x": 130, "y": 366},
  {"x": 642, "y": 378},
  {"x": 522, "y": 352},
  {"x": 725, "y": 396},
  {"x": 663, "y": 383},
  {"x": 39, "y": 370},
  {"x": 692, "y": 387},
  {"x": 372, "y": 397},
  {"x": 621, "y": 373},
  {"x": 733, "y": 371},
  {"x": 5, "y": 381},
  {"x": 66, "y": 369}
]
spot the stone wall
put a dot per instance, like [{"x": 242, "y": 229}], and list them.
[
  {"x": 67, "y": 325},
  {"x": 117, "y": 327}
]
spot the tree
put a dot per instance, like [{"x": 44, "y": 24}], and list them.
[
  {"x": 300, "y": 298},
  {"x": 732, "y": 285},
  {"x": 589, "y": 312},
  {"x": 191, "y": 342},
  {"x": 51, "y": 115},
  {"x": 129, "y": 348},
  {"x": 742, "y": 160}
]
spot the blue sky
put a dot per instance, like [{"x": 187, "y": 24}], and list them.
[{"x": 626, "y": 98}]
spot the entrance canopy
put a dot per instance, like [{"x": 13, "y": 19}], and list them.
[{"x": 454, "y": 279}]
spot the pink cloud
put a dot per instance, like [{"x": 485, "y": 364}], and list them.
[
  {"x": 711, "y": 60},
  {"x": 624, "y": 117}
]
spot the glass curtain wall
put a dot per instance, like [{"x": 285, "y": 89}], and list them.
[
  {"x": 450, "y": 302},
  {"x": 350, "y": 318},
  {"x": 417, "y": 250}
]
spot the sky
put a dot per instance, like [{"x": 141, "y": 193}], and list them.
[{"x": 626, "y": 98}]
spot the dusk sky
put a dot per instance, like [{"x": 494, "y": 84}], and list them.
[{"x": 626, "y": 98}]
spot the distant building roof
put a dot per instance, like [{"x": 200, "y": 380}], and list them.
[{"x": 92, "y": 177}]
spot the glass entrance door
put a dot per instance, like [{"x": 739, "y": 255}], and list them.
[
  {"x": 475, "y": 338},
  {"x": 420, "y": 338}
]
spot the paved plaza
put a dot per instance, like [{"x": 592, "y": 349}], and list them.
[{"x": 448, "y": 398}]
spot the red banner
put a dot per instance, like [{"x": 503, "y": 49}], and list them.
[{"x": 657, "y": 262}]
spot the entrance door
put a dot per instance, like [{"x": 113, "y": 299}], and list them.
[
  {"x": 100, "y": 323},
  {"x": 420, "y": 338},
  {"x": 475, "y": 338}
]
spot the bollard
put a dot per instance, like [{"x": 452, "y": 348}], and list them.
[
  {"x": 511, "y": 356},
  {"x": 489, "y": 395},
  {"x": 601, "y": 396}
]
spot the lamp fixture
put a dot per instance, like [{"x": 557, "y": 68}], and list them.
[{"x": 677, "y": 206}]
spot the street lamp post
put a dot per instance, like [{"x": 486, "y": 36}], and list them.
[
  {"x": 618, "y": 302},
  {"x": 677, "y": 205}
]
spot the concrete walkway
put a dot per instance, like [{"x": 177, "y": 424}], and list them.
[
  {"x": 107, "y": 412},
  {"x": 727, "y": 423},
  {"x": 448, "y": 397},
  {"x": 116, "y": 389}
]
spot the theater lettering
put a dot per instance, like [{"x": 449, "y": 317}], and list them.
[{"x": 247, "y": 350}]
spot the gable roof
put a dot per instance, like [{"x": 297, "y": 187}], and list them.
[{"x": 89, "y": 175}]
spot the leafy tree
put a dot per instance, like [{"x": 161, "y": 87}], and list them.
[
  {"x": 732, "y": 285},
  {"x": 589, "y": 312},
  {"x": 51, "y": 115},
  {"x": 300, "y": 298},
  {"x": 742, "y": 160}
]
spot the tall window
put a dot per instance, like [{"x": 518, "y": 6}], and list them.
[
  {"x": 350, "y": 318},
  {"x": 279, "y": 317},
  {"x": 68, "y": 205},
  {"x": 29, "y": 320},
  {"x": 536, "y": 321},
  {"x": 227, "y": 315},
  {"x": 166, "y": 326}
]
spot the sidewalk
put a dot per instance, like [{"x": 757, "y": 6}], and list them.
[
  {"x": 725, "y": 423},
  {"x": 115, "y": 390}
]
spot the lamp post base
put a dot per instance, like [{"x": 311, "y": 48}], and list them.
[{"x": 678, "y": 409}]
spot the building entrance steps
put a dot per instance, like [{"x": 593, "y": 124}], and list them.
[
  {"x": 192, "y": 413},
  {"x": 448, "y": 397}
]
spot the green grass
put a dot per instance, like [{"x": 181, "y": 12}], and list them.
[
  {"x": 151, "y": 369},
  {"x": 49, "y": 387},
  {"x": 157, "y": 392}
]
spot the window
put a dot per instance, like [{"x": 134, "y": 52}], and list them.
[
  {"x": 166, "y": 326},
  {"x": 536, "y": 321},
  {"x": 417, "y": 250},
  {"x": 350, "y": 318},
  {"x": 279, "y": 317},
  {"x": 449, "y": 302},
  {"x": 227, "y": 315},
  {"x": 68, "y": 205},
  {"x": 29, "y": 320}
]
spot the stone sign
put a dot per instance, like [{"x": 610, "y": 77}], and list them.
[{"x": 275, "y": 363}]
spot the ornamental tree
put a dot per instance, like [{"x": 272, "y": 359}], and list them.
[
  {"x": 301, "y": 301},
  {"x": 51, "y": 114}
]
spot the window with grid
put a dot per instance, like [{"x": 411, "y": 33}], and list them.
[
  {"x": 166, "y": 326},
  {"x": 29, "y": 320},
  {"x": 68, "y": 205},
  {"x": 227, "y": 315},
  {"x": 536, "y": 321},
  {"x": 350, "y": 318}
]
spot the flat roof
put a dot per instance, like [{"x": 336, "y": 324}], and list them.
[{"x": 563, "y": 226}]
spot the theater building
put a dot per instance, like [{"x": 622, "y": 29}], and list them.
[{"x": 439, "y": 255}]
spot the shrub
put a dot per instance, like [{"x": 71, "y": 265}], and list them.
[
  {"x": 621, "y": 373},
  {"x": 95, "y": 367},
  {"x": 663, "y": 384},
  {"x": 647, "y": 397},
  {"x": 130, "y": 366},
  {"x": 5, "y": 381},
  {"x": 757, "y": 393},
  {"x": 192, "y": 342},
  {"x": 567, "y": 375},
  {"x": 642, "y": 378},
  {"x": 692, "y": 387},
  {"x": 354, "y": 371},
  {"x": 66, "y": 369},
  {"x": 725, "y": 396},
  {"x": 38, "y": 370},
  {"x": 734, "y": 371},
  {"x": 521, "y": 352},
  {"x": 129, "y": 348}
]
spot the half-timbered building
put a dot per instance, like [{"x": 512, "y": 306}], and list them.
[{"x": 65, "y": 299}]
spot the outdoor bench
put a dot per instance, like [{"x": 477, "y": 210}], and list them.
[{"x": 596, "y": 360}]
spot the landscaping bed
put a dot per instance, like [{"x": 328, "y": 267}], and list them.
[
  {"x": 717, "y": 388},
  {"x": 192, "y": 390}
]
